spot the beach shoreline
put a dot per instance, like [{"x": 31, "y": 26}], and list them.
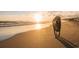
[{"x": 43, "y": 38}]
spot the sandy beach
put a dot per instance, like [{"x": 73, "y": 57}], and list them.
[{"x": 41, "y": 38}]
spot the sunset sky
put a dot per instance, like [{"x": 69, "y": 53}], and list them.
[
  {"x": 30, "y": 15},
  {"x": 23, "y": 16}
]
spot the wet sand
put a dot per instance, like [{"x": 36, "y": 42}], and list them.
[{"x": 42, "y": 38}]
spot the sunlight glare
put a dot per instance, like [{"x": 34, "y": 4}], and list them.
[
  {"x": 38, "y": 17},
  {"x": 38, "y": 26}
]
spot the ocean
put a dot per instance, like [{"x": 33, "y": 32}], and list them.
[{"x": 8, "y": 32}]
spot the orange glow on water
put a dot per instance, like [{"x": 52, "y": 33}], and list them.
[{"x": 37, "y": 26}]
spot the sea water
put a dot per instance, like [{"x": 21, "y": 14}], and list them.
[{"x": 8, "y": 32}]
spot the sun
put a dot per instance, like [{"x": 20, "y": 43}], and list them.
[{"x": 38, "y": 17}]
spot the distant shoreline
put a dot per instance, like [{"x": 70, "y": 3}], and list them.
[{"x": 18, "y": 23}]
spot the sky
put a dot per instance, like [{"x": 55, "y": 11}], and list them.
[
  {"x": 22, "y": 15},
  {"x": 29, "y": 15}
]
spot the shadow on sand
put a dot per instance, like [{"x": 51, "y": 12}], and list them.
[
  {"x": 66, "y": 43},
  {"x": 57, "y": 28}
]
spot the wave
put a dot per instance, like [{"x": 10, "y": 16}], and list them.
[{"x": 7, "y": 32}]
